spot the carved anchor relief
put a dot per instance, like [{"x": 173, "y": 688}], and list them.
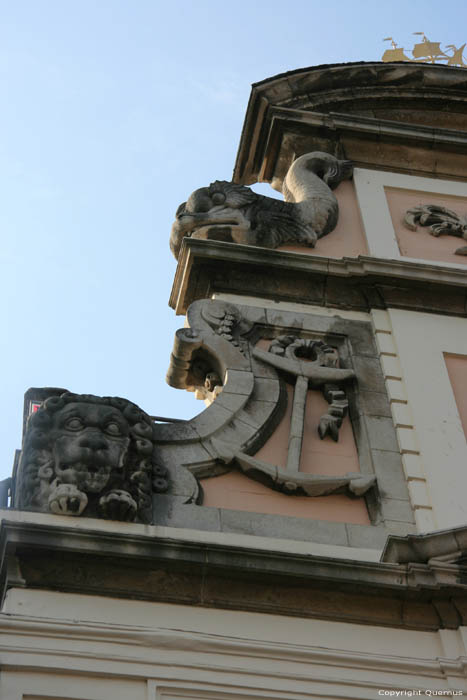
[
  {"x": 221, "y": 343},
  {"x": 314, "y": 365}
]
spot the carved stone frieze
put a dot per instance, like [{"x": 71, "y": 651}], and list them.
[
  {"x": 92, "y": 456},
  {"x": 439, "y": 221},
  {"x": 230, "y": 212}
]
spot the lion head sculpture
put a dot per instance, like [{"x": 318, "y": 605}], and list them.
[{"x": 92, "y": 456}]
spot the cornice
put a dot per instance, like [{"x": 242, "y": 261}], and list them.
[
  {"x": 276, "y": 128},
  {"x": 363, "y": 283},
  {"x": 416, "y": 596},
  {"x": 443, "y": 546}
]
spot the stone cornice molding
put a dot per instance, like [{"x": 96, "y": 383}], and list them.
[
  {"x": 278, "y": 110},
  {"x": 448, "y": 546},
  {"x": 363, "y": 283},
  {"x": 416, "y": 596}
]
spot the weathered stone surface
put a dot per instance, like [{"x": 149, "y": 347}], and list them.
[
  {"x": 398, "y": 510},
  {"x": 364, "y": 536},
  {"x": 231, "y": 402},
  {"x": 144, "y": 567},
  {"x": 266, "y": 390},
  {"x": 211, "y": 420},
  {"x": 230, "y": 212},
  {"x": 181, "y": 432},
  {"x": 239, "y": 382},
  {"x": 381, "y": 434},
  {"x": 189, "y": 516},
  {"x": 399, "y": 528},
  {"x": 369, "y": 375},
  {"x": 390, "y": 475},
  {"x": 91, "y": 456},
  {"x": 265, "y": 525},
  {"x": 284, "y": 276},
  {"x": 445, "y": 545},
  {"x": 374, "y": 403},
  {"x": 368, "y": 112}
]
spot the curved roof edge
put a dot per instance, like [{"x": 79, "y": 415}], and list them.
[{"x": 351, "y": 88}]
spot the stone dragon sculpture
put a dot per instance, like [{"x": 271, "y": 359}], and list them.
[{"x": 231, "y": 212}]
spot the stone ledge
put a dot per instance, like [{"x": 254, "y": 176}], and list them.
[
  {"x": 166, "y": 569},
  {"x": 319, "y": 108},
  {"x": 360, "y": 284}
]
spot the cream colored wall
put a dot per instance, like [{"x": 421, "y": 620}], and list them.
[
  {"x": 55, "y": 645},
  {"x": 401, "y": 408},
  {"x": 426, "y": 413}
]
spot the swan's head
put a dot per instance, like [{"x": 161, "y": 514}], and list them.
[
  {"x": 327, "y": 167},
  {"x": 338, "y": 171}
]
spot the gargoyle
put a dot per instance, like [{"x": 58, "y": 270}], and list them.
[
  {"x": 230, "y": 212},
  {"x": 89, "y": 455},
  {"x": 439, "y": 220}
]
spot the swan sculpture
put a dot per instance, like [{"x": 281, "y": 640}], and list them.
[{"x": 231, "y": 212}]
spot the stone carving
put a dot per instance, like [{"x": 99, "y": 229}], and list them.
[
  {"x": 293, "y": 482},
  {"x": 231, "y": 212},
  {"x": 224, "y": 318},
  {"x": 314, "y": 365},
  {"x": 319, "y": 355},
  {"x": 240, "y": 421},
  {"x": 86, "y": 455},
  {"x": 192, "y": 366},
  {"x": 439, "y": 221}
]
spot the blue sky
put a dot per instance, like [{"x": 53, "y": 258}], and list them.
[{"x": 112, "y": 112}]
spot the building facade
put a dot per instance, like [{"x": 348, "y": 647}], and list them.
[{"x": 303, "y": 536}]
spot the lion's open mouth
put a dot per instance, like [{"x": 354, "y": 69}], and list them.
[{"x": 91, "y": 476}]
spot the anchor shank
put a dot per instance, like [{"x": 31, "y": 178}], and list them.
[{"x": 296, "y": 424}]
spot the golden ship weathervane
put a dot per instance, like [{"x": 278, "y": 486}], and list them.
[{"x": 425, "y": 51}]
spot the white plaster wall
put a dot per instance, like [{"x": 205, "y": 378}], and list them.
[
  {"x": 421, "y": 340},
  {"x": 377, "y": 222},
  {"x": 67, "y": 646}
]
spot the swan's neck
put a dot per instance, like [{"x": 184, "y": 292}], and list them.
[{"x": 302, "y": 184}]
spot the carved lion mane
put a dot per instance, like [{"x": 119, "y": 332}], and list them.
[{"x": 138, "y": 472}]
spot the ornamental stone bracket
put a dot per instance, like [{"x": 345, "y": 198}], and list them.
[
  {"x": 215, "y": 347},
  {"x": 250, "y": 354},
  {"x": 104, "y": 457},
  {"x": 230, "y": 212}
]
